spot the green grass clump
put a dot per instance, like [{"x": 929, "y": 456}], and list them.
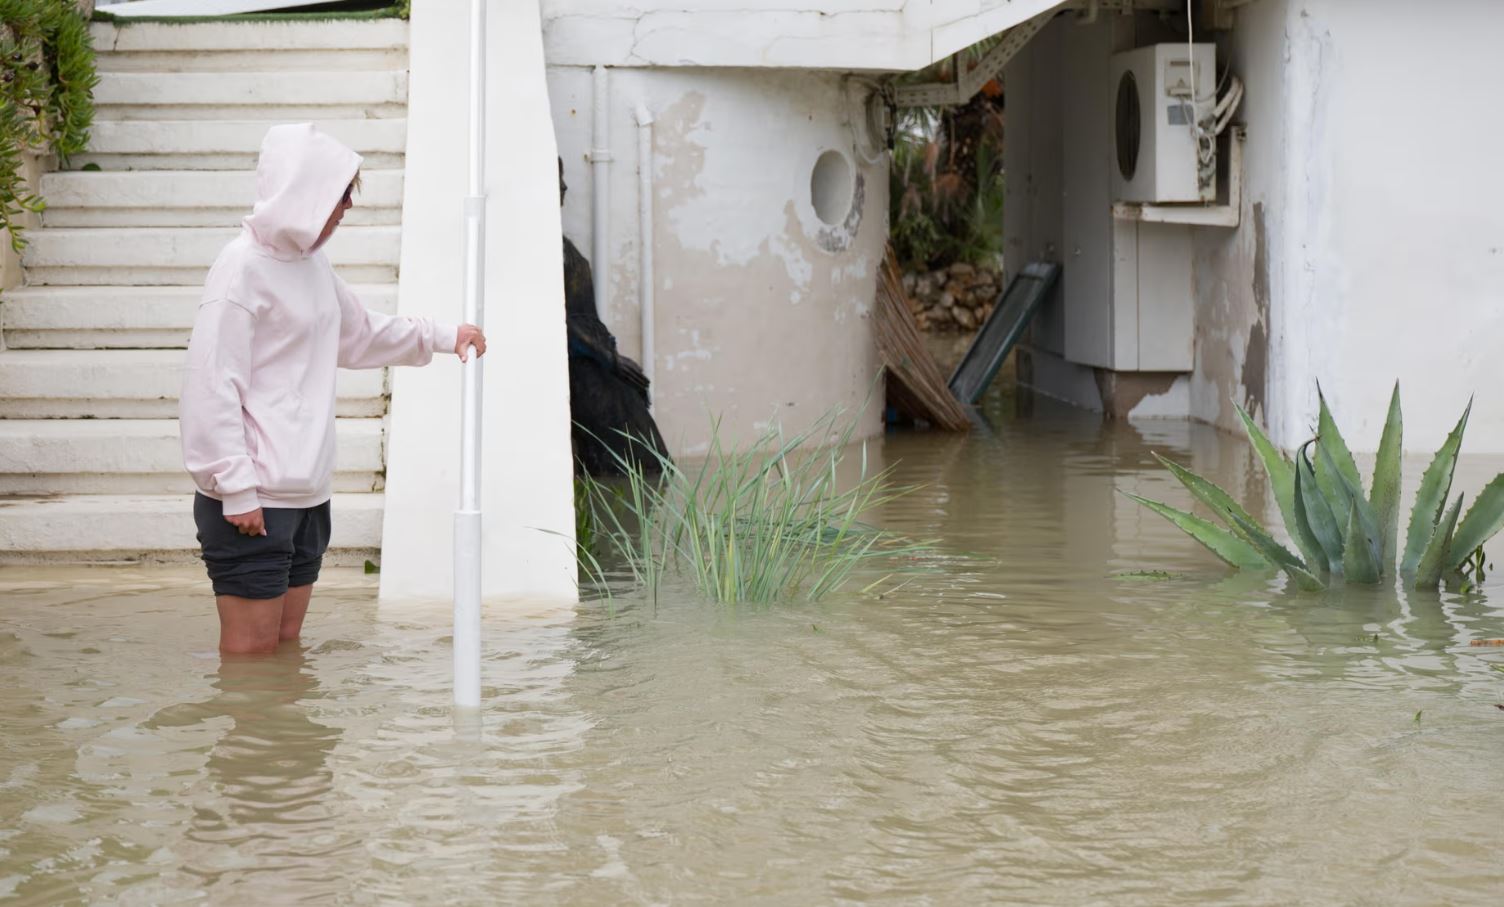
[
  {"x": 1341, "y": 533},
  {"x": 770, "y": 523}
]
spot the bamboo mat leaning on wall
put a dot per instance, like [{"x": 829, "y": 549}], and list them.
[{"x": 915, "y": 387}]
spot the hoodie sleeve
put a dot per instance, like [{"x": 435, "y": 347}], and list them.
[
  {"x": 370, "y": 339},
  {"x": 210, "y": 413}
]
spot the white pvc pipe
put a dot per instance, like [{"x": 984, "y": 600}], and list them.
[
  {"x": 600, "y": 187},
  {"x": 467, "y": 525},
  {"x": 645, "y": 239}
]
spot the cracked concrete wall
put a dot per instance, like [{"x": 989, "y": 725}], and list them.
[{"x": 763, "y": 311}]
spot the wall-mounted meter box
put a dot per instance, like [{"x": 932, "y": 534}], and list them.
[{"x": 1160, "y": 93}]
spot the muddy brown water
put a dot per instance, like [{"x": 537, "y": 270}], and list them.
[{"x": 1027, "y": 724}]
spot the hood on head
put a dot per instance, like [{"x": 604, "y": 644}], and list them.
[{"x": 301, "y": 176}]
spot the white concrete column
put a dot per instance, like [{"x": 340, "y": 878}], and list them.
[{"x": 527, "y": 487}]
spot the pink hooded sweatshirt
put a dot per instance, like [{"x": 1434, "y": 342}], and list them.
[{"x": 257, "y": 409}]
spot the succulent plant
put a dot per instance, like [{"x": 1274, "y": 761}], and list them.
[{"x": 1343, "y": 535}]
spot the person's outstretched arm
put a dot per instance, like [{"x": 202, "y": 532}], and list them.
[
  {"x": 210, "y": 410},
  {"x": 370, "y": 339}
]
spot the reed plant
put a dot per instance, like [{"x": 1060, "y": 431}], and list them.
[
  {"x": 1342, "y": 534},
  {"x": 773, "y": 522}
]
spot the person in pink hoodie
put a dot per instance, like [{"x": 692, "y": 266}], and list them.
[{"x": 257, "y": 408}]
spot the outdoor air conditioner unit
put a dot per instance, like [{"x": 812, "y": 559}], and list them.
[{"x": 1164, "y": 148}]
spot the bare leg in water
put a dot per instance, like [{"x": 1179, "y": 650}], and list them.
[{"x": 254, "y": 626}]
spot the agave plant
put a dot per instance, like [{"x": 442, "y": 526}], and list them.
[{"x": 1341, "y": 533}]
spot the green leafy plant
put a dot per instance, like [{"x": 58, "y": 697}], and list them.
[
  {"x": 47, "y": 79},
  {"x": 946, "y": 177},
  {"x": 771, "y": 523},
  {"x": 1341, "y": 533}
]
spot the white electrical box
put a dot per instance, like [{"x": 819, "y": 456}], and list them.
[{"x": 1163, "y": 101}]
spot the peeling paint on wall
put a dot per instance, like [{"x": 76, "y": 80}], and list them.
[
  {"x": 839, "y": 238},
  {"x": 1256, "y": 352},
  {"x": 763, "y": 310}
]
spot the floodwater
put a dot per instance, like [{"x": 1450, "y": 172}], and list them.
[{"x": 1029, "y": 724}]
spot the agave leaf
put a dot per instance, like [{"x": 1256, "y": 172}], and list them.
[
  {"x": 1304, "y": 580},
  {"x": 1433, "y": 560},
  {"x": 1431, "y": 497},
  {"x": 1318, "y": 512},
  {"x": 1484, "y": 519},
  {"x": 1368, "y": 526},
  {"x": 1219, "y": 541},
  {"x": 1342, "y": 470},
  {"x": 1385, "y": 494},
  {"x": 1282, "y": 482},
  {"x": 1359, "y": 561},
  {"x": 1320, "y": 562},
  {"x": 1275, "y": 554},
  {"x": 1230, "y": 511}
]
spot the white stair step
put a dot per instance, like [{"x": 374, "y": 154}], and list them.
[
  {"x": 252, "y": 46},
  {"x": 281, "y": 95},
  {"x": 166, "y": 216},
  {"x": 191, "y": 38},
  {"x": 189, "y": 198},
  {"x": 123, "y": 527},
  {"x": 142, "y": 456},
  {"x": 290, "y": 59},
  {"x": 131, "y": 384},
  {"x": 120, "y": 317},
  {"x": 68, "y": 256},
  {"x": 136, "y": 10},
  {"x": 224, "y": 145}
]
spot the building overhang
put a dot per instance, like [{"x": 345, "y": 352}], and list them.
[{"x": 876, "y": 35}]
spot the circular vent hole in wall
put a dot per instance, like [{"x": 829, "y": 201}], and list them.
[{"x": 830, "y": 187}]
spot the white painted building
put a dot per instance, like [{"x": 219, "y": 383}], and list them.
[
  {"x": 769, "y": 191},
  {"x": 1370, "y": 237},
  {"x": 736, "y": 160},
  {"x": 1368, "y": 226}
]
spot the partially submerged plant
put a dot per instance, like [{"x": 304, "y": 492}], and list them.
[
  {"x": 766, "y": 524},
  {"x": 1342, "y": 534}
]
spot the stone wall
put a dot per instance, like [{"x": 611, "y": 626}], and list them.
[{"x": 954, "y": 299}]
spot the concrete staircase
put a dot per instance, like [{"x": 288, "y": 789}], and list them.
[{"x": 92, "y": 352}]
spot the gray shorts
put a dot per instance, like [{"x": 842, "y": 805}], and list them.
[{"x": 262, "y": 566}]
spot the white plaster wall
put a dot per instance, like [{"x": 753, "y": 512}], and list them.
[
  {"x": 1239, "y": 343},
  {"x": 764, "y": 313},
  {"x": 1398, "y": 168},
  {"x": 1126, "y": 290},
  {"x": 1372, "y": 238},
  {"x": 526, "y": 482},
  {"x": 1032, "y": 157},
  {"x": 1375, "y": 196},
  {"x": 830, "y": 34},
  {"x": 31, "y": 168}
]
